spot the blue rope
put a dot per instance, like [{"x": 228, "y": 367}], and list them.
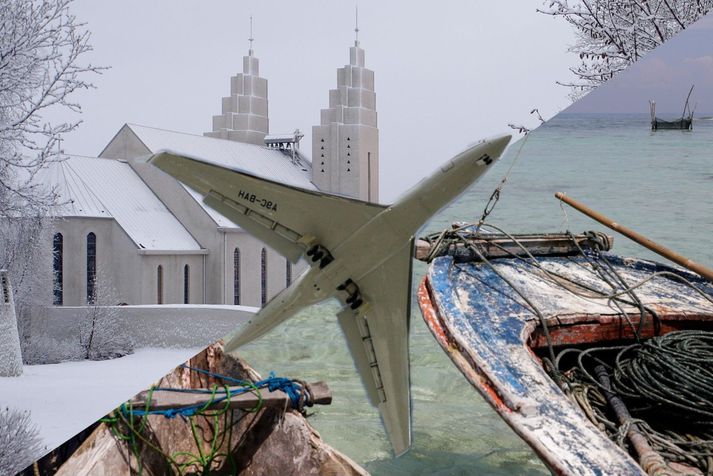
[{"x": 291, "y": 388}]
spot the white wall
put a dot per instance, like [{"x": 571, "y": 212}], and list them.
[{"x": 150, "y": 326}]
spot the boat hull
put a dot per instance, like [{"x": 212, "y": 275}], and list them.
[
  {"x": 493, "y": 339},
  {"x": 681, "y": 124}
]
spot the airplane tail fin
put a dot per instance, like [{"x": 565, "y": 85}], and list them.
[
  {"x": 354, "y": 328},
  {"x": 377, "y": 335}
]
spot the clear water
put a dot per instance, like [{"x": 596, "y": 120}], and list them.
[{"x": 660, "y": 184}]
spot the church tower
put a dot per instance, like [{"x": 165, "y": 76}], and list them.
[
  {"x": 244, "y": 117},
  {"x": 345, "y": 146}
]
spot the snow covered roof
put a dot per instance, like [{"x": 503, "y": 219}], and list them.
[
  {"x": 265, "y": 162},
  {"x": 221, "y": 220},
  {"x": 261, "y": 161},
  {"x": 106, "y": 188}
]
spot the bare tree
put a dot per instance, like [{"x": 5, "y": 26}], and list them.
[
  {"x": 97, "y": 331},
  {"x": 612, "y": 34},
  {"x": 26, "y": 252},
  {"x": 41, "y": 50},
  {"x": 41, "y": 46},
  {"x": 102, "y": 332},
  {"x": 20, "y": 444}
]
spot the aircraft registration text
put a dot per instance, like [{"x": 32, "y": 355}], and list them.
[{"x": 263, "y": 202}]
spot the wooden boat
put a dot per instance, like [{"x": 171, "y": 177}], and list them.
[
  {"x": 205, "y": 432},
  {"x": 500, "y": 339},
  {"x": 685, "y": 123}
]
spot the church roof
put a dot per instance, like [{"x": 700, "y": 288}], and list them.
[
  {"x": 269, "y": 163},
  {"x": 272, "y": 164},
  {"x": 105, "y": 188}
]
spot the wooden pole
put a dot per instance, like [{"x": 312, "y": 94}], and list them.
[
  {"x": 652, "y": 462},
  {"x": 160, "y": 400},
  {"x": 640, "y": 239}
]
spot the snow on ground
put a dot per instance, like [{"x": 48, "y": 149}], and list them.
[{"x": 65, "y": 398}]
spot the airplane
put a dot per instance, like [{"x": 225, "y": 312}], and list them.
[{"x": 359, "y": 252}]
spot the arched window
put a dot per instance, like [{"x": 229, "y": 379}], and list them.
[
  {"x": 91, "y": 268},
  {"x": 236, "y": 276},
  {"x": 57, "y": 257},
  {"x": 186, "y": 284},
  {"x": 159, "y": 284},
  {"x": 263, "y": 276},
  {"x": 288, "y": 273}
]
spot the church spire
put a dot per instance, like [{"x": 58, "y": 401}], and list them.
[
  {"x": 345, "y": 145},
  {"x": 356, "y": 25},
  {"x": 244, "y": 115},
  {"x": 251, "y": 39}
]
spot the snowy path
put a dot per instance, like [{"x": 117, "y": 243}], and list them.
[{"x": 65, "y": 398}]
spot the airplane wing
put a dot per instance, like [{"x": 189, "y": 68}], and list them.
[
  {"x": 377, "y": 336},
  {"x": 284, "y": 217}
]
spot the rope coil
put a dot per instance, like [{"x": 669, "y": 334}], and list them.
[{"x": 666, "y": 381}]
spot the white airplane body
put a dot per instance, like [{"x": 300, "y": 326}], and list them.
[{"x": 359, "y": 253}]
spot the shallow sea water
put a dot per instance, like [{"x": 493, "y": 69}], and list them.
[{"x": 660, "y": 184}]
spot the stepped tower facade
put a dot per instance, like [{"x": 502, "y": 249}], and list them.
[
  {"x": 244, "y": 115},
  {"x": 345, "y": 146}
]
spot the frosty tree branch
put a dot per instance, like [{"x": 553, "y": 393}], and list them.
[
  {"x": 41, "y": 46},
  {"x": 612, "y": 34},
  {"x": 20, "y": 444}
]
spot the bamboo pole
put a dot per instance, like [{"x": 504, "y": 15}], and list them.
[{"x": 640, "y": 239}]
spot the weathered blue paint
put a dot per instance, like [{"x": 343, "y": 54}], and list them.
[{"x": 490, "y": 324}]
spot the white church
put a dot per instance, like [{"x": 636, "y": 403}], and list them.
[{"x": 124, "y": 225}]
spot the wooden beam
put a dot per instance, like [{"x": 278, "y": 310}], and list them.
[
  {"x": 500, "y": 246},
  {"x": 165, "y": 400}
]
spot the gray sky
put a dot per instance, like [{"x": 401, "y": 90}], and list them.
[
  {"x": 446, "y": 75},
  {"x": 665, "y": 75}
]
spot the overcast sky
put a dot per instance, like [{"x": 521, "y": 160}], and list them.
[
  {"x": 665, "y": 75},
  {"x": 446, "y": 74}
]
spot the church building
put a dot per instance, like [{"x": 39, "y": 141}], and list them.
[{"x": 128, "y": 233}]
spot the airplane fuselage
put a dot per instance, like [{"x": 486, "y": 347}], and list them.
[
  {"x": 359, "y": 252},
  {"x": 388, "y": 232}
]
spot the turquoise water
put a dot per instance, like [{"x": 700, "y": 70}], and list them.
[{"x": 660, "y": 184}]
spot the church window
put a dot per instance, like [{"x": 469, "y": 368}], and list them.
[
  {"x": 263, "y": 276},
  {"x": 288, "y": 272},
  {"x": 159, "y": 284},
  {"x": 322, "y": 140},
  {"x": 348, "y": 146},
  {"x": 236, "y": 276},
  {"x": 348, "y": 138},
  {"x": 57, "y": 257},
  {"x": 91, "y": 268},
  {"x": 186, "y": 284}
]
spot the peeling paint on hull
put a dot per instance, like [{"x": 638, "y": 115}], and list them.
[{"x": 489, "y": 335}]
